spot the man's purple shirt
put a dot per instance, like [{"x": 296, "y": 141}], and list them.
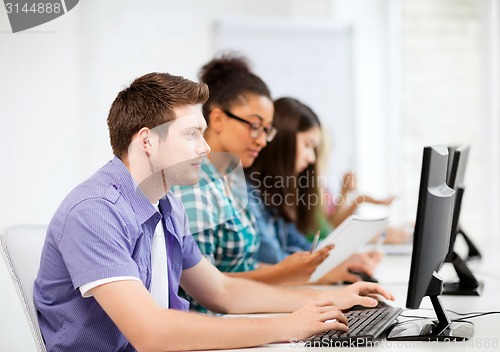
[{"x": 104, "y": 228}]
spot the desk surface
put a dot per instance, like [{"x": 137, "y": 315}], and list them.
[{"x": 393, "y": 274}]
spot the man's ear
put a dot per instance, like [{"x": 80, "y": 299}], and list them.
[
  {"x": 143, "y": 137},
  {"x": 217, "y": 120}
]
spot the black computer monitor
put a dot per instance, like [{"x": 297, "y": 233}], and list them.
[
  {"x": 457, "y": 163},
  {"x": 451, "y": 153},
  {"x": 430, "y": 246},
  {"x": 467, "y": 285},
  {"x": 455, "y": 175}
]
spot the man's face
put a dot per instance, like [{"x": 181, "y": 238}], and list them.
[{"x": 178, "y": 155}]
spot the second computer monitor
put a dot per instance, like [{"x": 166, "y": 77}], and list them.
[
  {"x": 455, "y": 179},
  {"x": 467, "y": 283},
  {"x": 457, "y": 163}
]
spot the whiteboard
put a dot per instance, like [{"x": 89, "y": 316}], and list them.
[{"x": 307, "y": 60}]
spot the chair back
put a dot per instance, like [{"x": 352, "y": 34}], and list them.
[{"x": 21, "y": 248}]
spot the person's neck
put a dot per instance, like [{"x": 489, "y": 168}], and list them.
[
  {"x": 148, "y": 184},
  {"x": 217, "y": 154}
]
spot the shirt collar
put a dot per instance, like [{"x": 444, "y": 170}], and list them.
[
  {"x": 140, "y": 204},
  {"x": 165, "y": 206}
]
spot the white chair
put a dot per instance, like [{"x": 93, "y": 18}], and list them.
[{"x": 21, "y": 247}]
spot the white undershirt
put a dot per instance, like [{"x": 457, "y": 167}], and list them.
[
  {"x": 159, "y": 273},
  {"x": 159, "y": 279}
]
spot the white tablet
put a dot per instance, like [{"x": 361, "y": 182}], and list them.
[{"x": 348, "y": 237}]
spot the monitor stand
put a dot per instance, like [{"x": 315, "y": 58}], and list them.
[
  {"x": 442, "y": 329},
  {"x": 474, "y": 253},
  {"x": 467, "y": 285}
]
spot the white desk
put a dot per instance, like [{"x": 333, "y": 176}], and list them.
[{"x": 393, "y": 274}]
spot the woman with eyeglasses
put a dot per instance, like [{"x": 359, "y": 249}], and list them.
[{"x": 239, "y": 114}]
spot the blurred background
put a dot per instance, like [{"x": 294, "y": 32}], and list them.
[{"x": 386, "y": 78}]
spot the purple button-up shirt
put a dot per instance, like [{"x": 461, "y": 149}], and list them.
[{"x": 104, "y": 228}]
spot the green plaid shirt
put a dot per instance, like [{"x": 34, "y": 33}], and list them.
[{"x": 219, "y": 219}]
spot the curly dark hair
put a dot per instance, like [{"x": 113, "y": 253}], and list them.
[{"x": 229, "y": 80}]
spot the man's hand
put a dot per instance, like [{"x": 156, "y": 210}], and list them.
[
  {"x": 359, "y": 293},
  {"x": 312, "y": 319}
]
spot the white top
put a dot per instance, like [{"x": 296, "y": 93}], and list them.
[
  {"x": 159, "y": 278},
  {"x": 84, "y": 289}
]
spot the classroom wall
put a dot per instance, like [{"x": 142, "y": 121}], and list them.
[
  {"x": 59, "y": 80},
  {"x": 444, "y": 97}
]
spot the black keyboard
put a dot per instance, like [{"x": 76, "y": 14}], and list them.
[{"x": 365, "y": 326}]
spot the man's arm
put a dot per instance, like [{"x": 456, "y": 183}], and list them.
[
  {"x": 225, "y": 294},
  {"x": 151, "y": 328}
]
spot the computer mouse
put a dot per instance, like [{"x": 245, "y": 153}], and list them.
[{"x": 363, "y": 276}]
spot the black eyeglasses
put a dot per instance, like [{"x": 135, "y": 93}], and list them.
[{"x": 255, "y": 128}]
